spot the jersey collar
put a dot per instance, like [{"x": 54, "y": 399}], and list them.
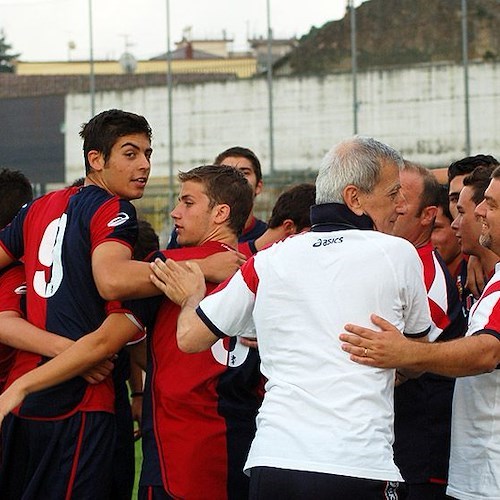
[{"x": 336, "y": 217}]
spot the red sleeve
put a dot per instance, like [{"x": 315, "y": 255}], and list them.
[
  {"x": 13, "y": 289},
  {"x": 114, "y": 221}
]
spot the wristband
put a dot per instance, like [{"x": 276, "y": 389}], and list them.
[{"x": 138, "y": 394}]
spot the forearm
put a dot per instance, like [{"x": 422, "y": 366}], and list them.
[
  {"x": 192, "y": 334},
  {"x": 138, "y": 358},
  {"x": 126, "y": 280},
  {"x": 84, "y": 354},
  {"x": 20, "y": 334},
  {"x": 457, "y": 358}
]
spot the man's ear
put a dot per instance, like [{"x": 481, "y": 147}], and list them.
[
  {"x": 428, "y": 215},
  {"x": 222, "y": 213},
  {"x": 351, "y": 195},
  {"x": 258, "y": 187},
  {"x": 289, "y": 227},
  {"x": 96, "y": 159}
]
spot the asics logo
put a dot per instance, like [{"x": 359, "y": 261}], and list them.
[
  {"x": 118, "y": 220},
  {"x": 20, "y": 290},
  {"x": 323, "y": 242}
]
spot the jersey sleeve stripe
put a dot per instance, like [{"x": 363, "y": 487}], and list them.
[
  {"x": 209, "y": 324},
  {"x": 488, "y": 331},
  {"x": 418, "y": 335}
]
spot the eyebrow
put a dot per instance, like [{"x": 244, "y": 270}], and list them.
[
  {"x": 490, "y": 200},
  {"x": 135, "y": 146}
]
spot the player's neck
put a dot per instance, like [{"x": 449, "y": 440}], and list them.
[{"x": 222, "y": 234}]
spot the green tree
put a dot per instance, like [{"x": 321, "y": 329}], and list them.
[{"x": 6, "y": 59}]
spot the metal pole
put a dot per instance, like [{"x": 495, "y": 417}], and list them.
[
  {"x": 92, "y": 74},
  {"x": 270, "y": 84},
  {"x": 170, "y": 116},
  {"x": 465, "y": 56},
  {"x": 354, "y": 64}
]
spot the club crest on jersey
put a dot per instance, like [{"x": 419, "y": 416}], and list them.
[{"x": 119, "y": 219}]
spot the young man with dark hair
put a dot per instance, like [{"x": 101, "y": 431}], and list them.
[
  {"x": 76, "y": 244},
  {"x": 199, "y": 411},
  {"x": 467, "y": 225},
  {"x": 443, "y": 236},
  {"x": 290, "y": 215},
  {"x": 459, "y": 169}
]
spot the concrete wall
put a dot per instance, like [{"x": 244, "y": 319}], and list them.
[{"x": 418, "y": 110}]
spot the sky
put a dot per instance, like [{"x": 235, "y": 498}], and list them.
[{"x": 43, "y": 30}]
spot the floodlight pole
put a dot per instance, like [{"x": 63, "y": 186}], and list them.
[
  {"x": 91, "y": 62},
  {"x": 170, "y": 115},
  {"x": 354, "y": 66},
  {"x": 270, "y": 85},
  {"x": 465, "y": 56}
]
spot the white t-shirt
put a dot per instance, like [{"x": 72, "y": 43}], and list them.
[
  {"x": 322, "y": 412},
  {"x": 475, "y": 425}
]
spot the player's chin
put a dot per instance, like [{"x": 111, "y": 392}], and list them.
[{"x": 134, "y": 193}]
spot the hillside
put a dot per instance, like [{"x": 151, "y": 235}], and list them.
[{"x": 393, "y": 32}]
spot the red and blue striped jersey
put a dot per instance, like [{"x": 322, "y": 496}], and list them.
[{"x": 56, "y": 235}]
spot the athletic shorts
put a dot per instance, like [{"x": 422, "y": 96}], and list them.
[
  {"x": 63, "y": 459},
  {"x": 269, "y": 483}
]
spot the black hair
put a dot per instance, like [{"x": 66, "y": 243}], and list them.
[
  {"x": 15, "y": 191},
  {"x": 466, "y": 165},
  {"x": 479, "y": 180},
  {"x": 295, "y": 204},
  {"x": 240, "y": 152},
  {"x": 103, "y": 130}
]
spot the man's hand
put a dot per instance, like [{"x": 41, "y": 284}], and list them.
[
  {"x": 10, "y": 399},
  {"x": 249, "y": 342},
  {"x": 387, "y": 348},
  {"x": 180, "y": 283},
  {"x": 136, "y": 407},
  {"x": 99, "y": 372}
]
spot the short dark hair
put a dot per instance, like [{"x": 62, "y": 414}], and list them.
[
  {"x": 240, "y": 152},
  {"x": 443, "y": 201},
  {"x": 466, "y": 165},
  {"x": 15, "y": 191},
  {"x": 147, "y": 240},
  {"x": 224, "y": 185},
  {"x": 103, "y": 130},
  {"x": 295, "y": 204},
  {"x": 479, "y": 181}
]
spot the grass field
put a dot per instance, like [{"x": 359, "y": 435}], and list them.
[{"x": 138, "y": 462}]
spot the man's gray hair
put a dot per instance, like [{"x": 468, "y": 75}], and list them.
[{"x": 355, "y": 161}]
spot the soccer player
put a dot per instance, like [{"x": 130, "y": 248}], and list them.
[
  {"x": 246, "y": 161},
  {"x": 76, "y": 244},
  {"x": 199, "y": 411}
]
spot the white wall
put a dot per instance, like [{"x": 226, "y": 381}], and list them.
[{"x": 418, "y": 110}]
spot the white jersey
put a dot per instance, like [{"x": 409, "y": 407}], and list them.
[
  {"x": 475, "y": 425},
  {"x": 321, "y": 411}
]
